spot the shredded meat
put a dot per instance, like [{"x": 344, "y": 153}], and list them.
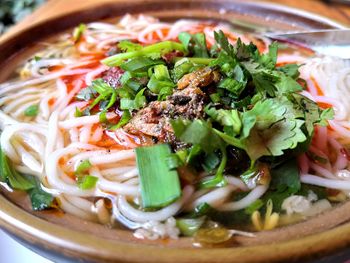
[
  {"x": 112, "y": 76},
  {"x": 188, "y": 103},
  {"x": 199, "y": 78}
]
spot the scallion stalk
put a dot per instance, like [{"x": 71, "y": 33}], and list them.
[
  {"x": 160, "y": 186},
  {"x": 155, "y": 50}
]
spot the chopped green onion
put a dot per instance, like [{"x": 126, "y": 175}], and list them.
[
  {"x": 210, "y": 162},
  {"x": 135, "y": 104},
  {"x": 32, "y": 111},
  {"x": 103, "y": 117},
  {"x": 160, "y": 186},
  {"x": 37, "y": 58},
  {"x": 161, "y": 72},
  {"x": 256, "y": 205},
  {"x": 156, "y": 85},
  {"x": 165, "y": 92},
  {"x": 189, "y": 226},
  {"x": 129, "y": 46},
  {"x": 124, "y": 120},
  {"x": 219, "y": 179},
  {"x": 194, "y": 61},
  {"x": 140, "y": 63},
  {"x": 86, "y": 182},
  {"x": 152, "y": 51},
  {"x": 78, "y": 32},
  {"x": 83, "y": 167},
  {"x": 173, "y": 161},
  {"x": 78, "y": 113},
  {"x": 134, "y": 85},
  {"x": 102, "y": 87},
  {"x": 215, "y": 97}
]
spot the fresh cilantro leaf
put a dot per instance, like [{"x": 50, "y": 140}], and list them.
[
  {"x": 291, "y": 70},
  {"x": 222, "y": 43},
  {"x": 266, "y": 131},
  {"x": 283, "y": 135},
  {"x": 195, "y": 44},
  {"x": 264, "y": 81},
  {"x": 287, "y": 84},
  {"x": 311, "y": 111},
  {"x": 39, "y": 198},
  {"x": 227, "y": 118},
  {"x": 233, "y": 86},
  {"x": 327, "y": 114},
  {"x": 245, "y": 52},
  {"x": 269, "y": 60},
  {"x": 11, "y": 176},
  {"x": 197, "y": 132},
  {"x": 86, "y": 94}
]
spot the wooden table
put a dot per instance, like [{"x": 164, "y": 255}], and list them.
[{"x": 54, "y": 8}]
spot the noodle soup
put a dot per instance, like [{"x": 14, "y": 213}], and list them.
[{"x": 177, "y": 129}]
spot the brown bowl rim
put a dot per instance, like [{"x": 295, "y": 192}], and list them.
[{"x": 89, "y": 247}]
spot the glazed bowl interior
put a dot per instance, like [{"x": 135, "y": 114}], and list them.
[{"x": 71, "y": 236}]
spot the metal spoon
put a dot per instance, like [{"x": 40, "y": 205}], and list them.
[{"x": 332, "y": 42}]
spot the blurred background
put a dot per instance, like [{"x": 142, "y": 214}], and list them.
[{"x": 12, "y": 11}]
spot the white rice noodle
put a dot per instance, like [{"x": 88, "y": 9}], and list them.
[
  {"x": 139, "y": 216},
  {"x": 255, "y": 194},
  {"x": 325, "y": 182}
]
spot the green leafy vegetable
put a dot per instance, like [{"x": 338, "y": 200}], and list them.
[
  {"x": 160, "y": 81},
  {"x": 40, "y": 199},
  {"x": 160, "y": 186},
  {"x": 10, "y": 175}
]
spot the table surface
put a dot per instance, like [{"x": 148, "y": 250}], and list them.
[{"x": 54, "y": 8}]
